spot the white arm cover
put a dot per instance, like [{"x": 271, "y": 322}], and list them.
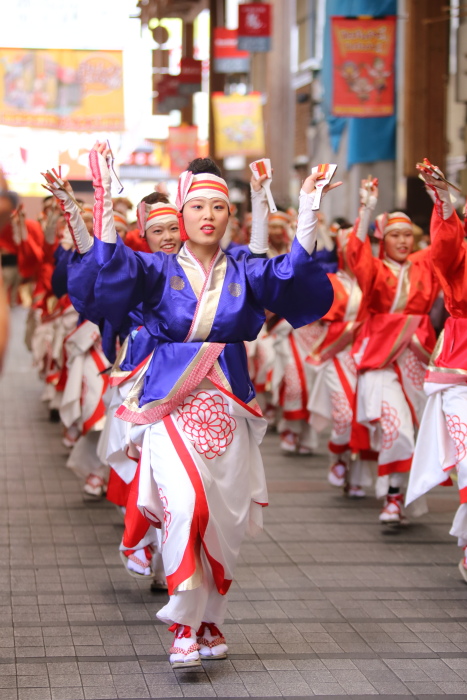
[
  {"x": 364, "y": 222},
  {"x": 369, "y": 201},
  {"x": 50, "y": 226},
  {"x": 76, "y": 226},
  {"x": 307, "y": 226},
  {"x": 18, "y": 236},
  {"x": 443, "y": 203},
  {"x": 104, "y": 225},
  {"x": 68, "y": 241},
  {"x": 259, "y": 222}
]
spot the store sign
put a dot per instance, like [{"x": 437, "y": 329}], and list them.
[
  {"x": 254, "y": 27},
  {"x": 227, "y": 56},
  {"x": 190, "y": 76},
  {"x": 363, "y": 66}
]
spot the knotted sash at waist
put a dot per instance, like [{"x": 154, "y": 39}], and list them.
[{"x": 199, "y": 364}]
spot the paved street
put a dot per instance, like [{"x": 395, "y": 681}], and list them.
[{"x": 325, "y": 602}]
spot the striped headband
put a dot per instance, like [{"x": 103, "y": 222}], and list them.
[
  {"x": 120, "y": 219},
  {"x": 385, "y": 223},
  {"x": 160, "y": 213},
  {"x": 201, "y": 185},
  {"x": 397, "y": 221},
  {"x": 279, "y": 217}
]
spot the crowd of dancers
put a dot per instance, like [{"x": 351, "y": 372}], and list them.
[{"x": 169, "y": 346}]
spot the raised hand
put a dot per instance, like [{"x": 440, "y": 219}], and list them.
[
  {"x": 369, "y": 192},
  {"x": 310, "y": 184}
]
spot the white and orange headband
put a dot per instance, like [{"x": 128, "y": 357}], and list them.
[
  {"x": 87, "y": 210},
  {"x": 280, "y": 217},
  {"x": 191, "y": 186},
  {"x": 397, "y": 221},
  {"x": 120, "y": 220},
  {"x": 150, "y": 214}
]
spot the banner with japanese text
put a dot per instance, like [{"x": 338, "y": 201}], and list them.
[
  {"x": 238, "y": 124},
  {"x": 64, "y": 89},
  {"x": 363, "y": 59}
]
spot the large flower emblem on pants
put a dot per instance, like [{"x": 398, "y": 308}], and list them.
[
  {"x": 206, "y": 422},
  {"x": 341, "y": 412},
  {"x": 458, "y": 432},
  {"x": 390, "y": 424},
  {"x": 415, "y": 370}
]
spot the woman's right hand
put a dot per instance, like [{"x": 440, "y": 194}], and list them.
[{"x": 102, "y": 147}]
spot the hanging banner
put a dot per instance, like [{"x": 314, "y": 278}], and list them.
[
  {"x": 227, "y": 57},
  {"x": 182, "y": 147},
  {"x": 190, "y": 76},
  {"x": 238, "y": 124},
  {"x": 254, "y": 26},
  {"x": 168, "y": 95},
  {"x": 62, "y": 89},
  {"x": 363, "y": 59}
]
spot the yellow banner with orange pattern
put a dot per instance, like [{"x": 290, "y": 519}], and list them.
[
  {"x": 238, "y": 124},
  {"x": 62, "y": 89}
]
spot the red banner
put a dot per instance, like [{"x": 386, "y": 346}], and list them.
[
  {"x": 363, "y": 53},
  {"x": 254, "y": 26}
]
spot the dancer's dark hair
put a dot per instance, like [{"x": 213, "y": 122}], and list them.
[
  {"x": 155, "y": 198},
  {"x": 204, "y": 165}
]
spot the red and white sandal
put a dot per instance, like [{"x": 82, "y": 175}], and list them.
[
  {"x": 289, "y": 441},
  {"x": 337, "y": 474},
  {"x": 211, "y": 642},
  {"x": 94, "y": 486},
  {"x": 184, "y": 651},
  {"x": 137, "y": 562}
]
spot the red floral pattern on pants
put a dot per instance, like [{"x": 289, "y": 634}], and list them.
[
  {"x": 292, "y": 388},
  {"x": 205, "y": 420},
  {"x": 414, "y": 370},
  {"x": 390, "y": 424},
  {"x": 341, "y": 412},
  {"x": 349, "y": 362},
  {"x": 308, "y": 335},
  {"x": 458, "y": 432},
  {"x": 167, "y": 514}
]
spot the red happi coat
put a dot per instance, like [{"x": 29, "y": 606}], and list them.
[
  {"x": 448, "y": 364},
  {"x": 396, "y": 302},
  {"x": 339, "y": 324},
  {"x": 30, "y": 252}
]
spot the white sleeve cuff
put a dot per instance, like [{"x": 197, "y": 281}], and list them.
[{"x": 307, "y": 225}]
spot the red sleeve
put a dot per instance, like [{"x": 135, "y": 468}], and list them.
[
  {"x": 448, "y": 258},
  {"x": 134, "y": 241},
  {"x": 339, "y": 305},
  {"x": 362, "y": 262},
  {"x": 31, "y": 251}
]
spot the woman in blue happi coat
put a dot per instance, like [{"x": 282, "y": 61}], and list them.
[{"x": 194, "y": 411}]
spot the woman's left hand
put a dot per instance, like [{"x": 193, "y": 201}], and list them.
[{"x": 310, "y": 184}]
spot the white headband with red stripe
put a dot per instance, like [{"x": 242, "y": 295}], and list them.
[
  {"x": 201, "y": 185},
  {"x": 119, "y": 218},
  {"x": 385, "y": 223},
  {"x": 158, "y": 213}
]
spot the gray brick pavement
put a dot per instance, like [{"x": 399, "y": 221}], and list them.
[{"x": 325, "y": 602}]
